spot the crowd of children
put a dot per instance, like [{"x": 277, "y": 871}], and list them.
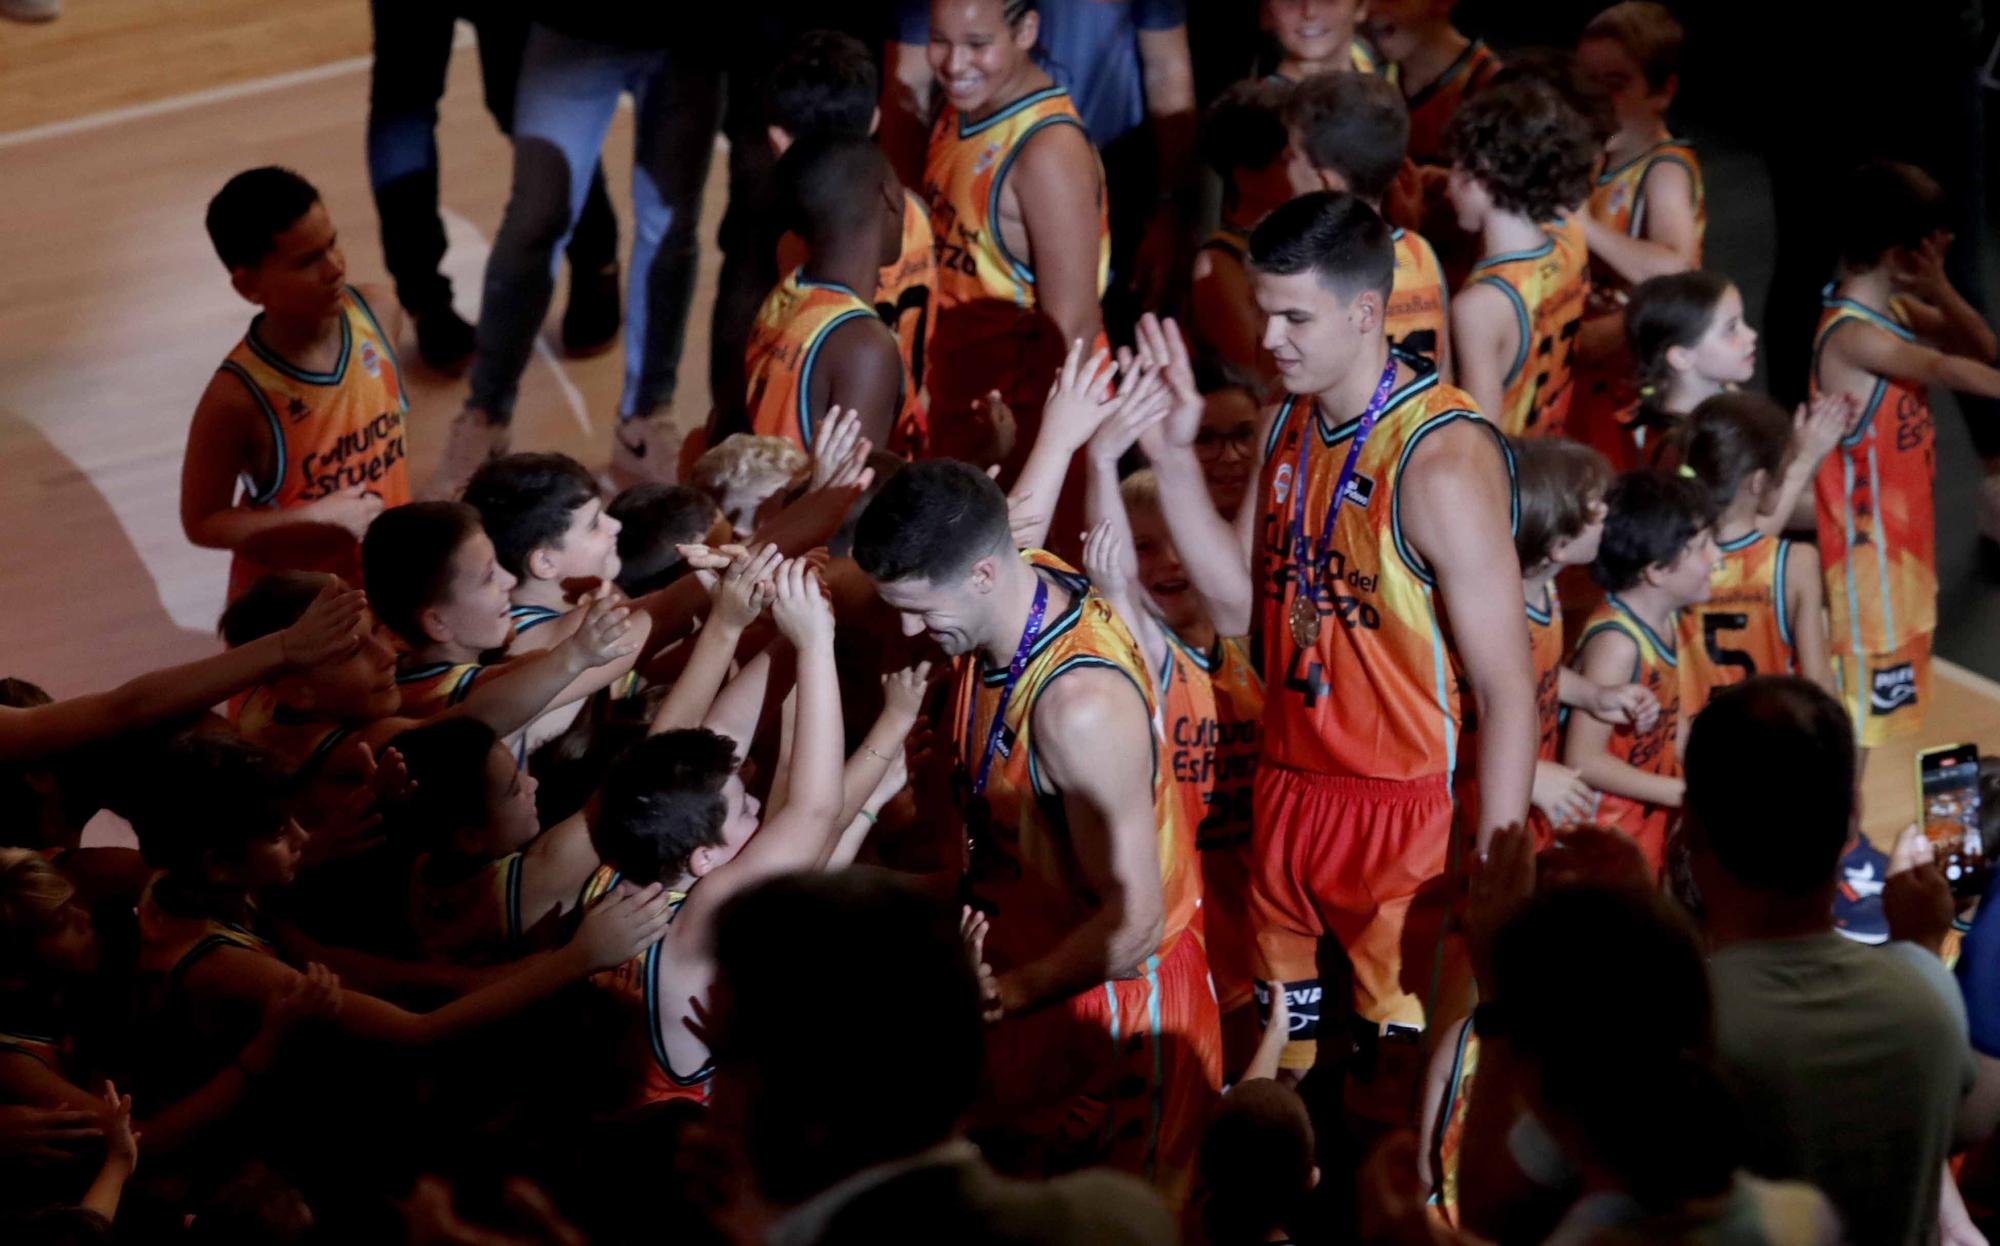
[{"x": 1293, "y": 712}]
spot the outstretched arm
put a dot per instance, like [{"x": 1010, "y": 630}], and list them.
[
  {"x": 742, "y": 590},
  {"x": 329, "y": 630},
  {"x": 1096, "y": 746},
  {"x": 882, "y": 749},
  {"x": 516, "y": 693},
  {"x": 1670, "y": 242}
]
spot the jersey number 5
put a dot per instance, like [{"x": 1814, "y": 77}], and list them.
[{"x": 1712, "y": 627}]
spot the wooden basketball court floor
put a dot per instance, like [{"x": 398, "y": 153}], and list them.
[{"x": 114, "y": 312}]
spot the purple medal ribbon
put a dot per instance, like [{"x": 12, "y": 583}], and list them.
[
  {"x": 1029, "y": 635},
  {"x": 1310, "y": 559}
]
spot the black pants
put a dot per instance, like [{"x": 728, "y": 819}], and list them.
[{"x": 412, "y": 51}]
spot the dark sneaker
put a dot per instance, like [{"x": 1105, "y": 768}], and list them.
[
  {"x": 1857, "y": 902},
  {"x": 590, "y": 322},
  {"x": 444, "y": 339}
]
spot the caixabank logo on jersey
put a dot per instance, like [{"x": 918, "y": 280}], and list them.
[{"x": 1891, "y": 688}]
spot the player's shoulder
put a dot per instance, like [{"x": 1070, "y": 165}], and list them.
[{"x": 1087, "y": 695}]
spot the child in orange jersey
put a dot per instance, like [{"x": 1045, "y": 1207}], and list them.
[
  {"x": 307, "y": 410},
  {"x": 1765, "y": 610},
  {"x": 1892, "y": 327},
  {"x": 817, "y": 341},
  {"x": 1521, "y": 161},
  {"x": 1318, "y": 36},
  {"x": 825, "y": 84},
  {"x": 1349, "y": 132},
  {"x": 1243, "y": 139},
  {"x": 1654, "y": 559},
  {"x": 1646, "y": 215},
  {"x": 1687, "y": 340},
  {"x": 1434, "y": 65},
  {"x": 1561, "y": 487}
]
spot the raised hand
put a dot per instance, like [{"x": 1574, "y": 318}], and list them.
[
  {"x": 744, "y": 590},
  {"x": 1145, "y": 399},
  {"x": 972, "y": 929},
  {"x": 121, "y": 1143},
  {"x": 903, "y": 691},
  {"x": 1162, "y": 342},
  {"x": 328, "y": 631},
  {"x": 1104, "y": 559},
  {"x": 353, "y": 509},
  {"x": 606, "y": 634},
  {"x": 799, "y": 606},
  {"x": 622, "y": 925},
  {"x": 840, "y": 452},
  {"x": 1079, "y": 398}
]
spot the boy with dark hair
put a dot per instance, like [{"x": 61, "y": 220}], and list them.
[
  {"x": 1434, "y": 66},
  {"x": 1082, "y": 855},
  {"x": 826, "y": 86},
  {"x": 1892, "y": 326},
  {"x": 442, "y": 591},
  {"x": 1382, "y": 508},
  {"x": 817, "y": 344},
  {"x": 1654, "y": 558},
  {"x": 1349, "y": 132},
  {"x": 1243, "y": 139},
  {"x": 551, "y": 533},
  {"x": 307, "y": 410},
  {"x": 1520, "y": 158},
  {"x": 654, "y": 521}
]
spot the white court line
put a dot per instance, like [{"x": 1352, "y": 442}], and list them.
[{"x": 181, "y": 103}]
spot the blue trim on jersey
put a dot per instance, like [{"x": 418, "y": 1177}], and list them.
[
  {"x": 804, "y": 395},
  {"x": 1064, "y": 668},
  {"x": 1028, "y": 100},
  {"x": 1023, "y": 275},
  {"x": 279, "y": 362},
  {"x": 526, "y": 618},
  {"x": 1403, "y": 550},
  {"x": 1207, "y": 662},
  {"x": 1532, "y": 253},
  {"x": 1742, "y": 542},
  {"x": 1063, "y": 623},
  {"x": 1881, "y": 544},
  {"x": 1451, "y": 73},
  {"x": 1664, "y": 649},
  {"x": 514, "y": 898},
  {"x": 1153, "y": 1037},
  {"x": 1614, "y": 625},
  {"x": 1544, "y": 614},
  {"x": 1520, "y": 319},
  {"x": 1778, "y": 592},
  {"x": 256, "y": 496}
]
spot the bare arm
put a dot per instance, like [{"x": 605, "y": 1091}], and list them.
[
  {"x": 515, "y": 693},
  {"x": 865, "y": 375},
  {"x": 1108, "y": 560},
  {"x": 1056, "y": 180},
  {"x": 1939, "y": 313},
  {"x": 906, "y": 108},
  {"x": 882, "y": 748},
  {"x": 1607, "y": 657},
  {"x": 1456, "y": 507},
  {"x": 1078, "y": 402},
  {"x": 1215, "y": 551},
  {"x": 742, "y": 591},
  {"x": 1486, "y": 335},
  {"x": 1670, "y": 240},
  {"x": 1096, "y": 746},
  {"x": 328, "y": 630},
  {"x": 1817, "y": 428},
  {"x": 1882, "y": 353},
  {"x": 231, "y": 437},
  {"x": 1805, "y": 602}
]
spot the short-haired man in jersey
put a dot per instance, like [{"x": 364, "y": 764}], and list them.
[
  {"x": 1108, "y": 1048},
  {"x": 1386, "y": 621}
]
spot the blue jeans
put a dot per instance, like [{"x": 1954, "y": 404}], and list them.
[
  {"x": 412, "y": 53},
  {"x": 568, "y": 91}
]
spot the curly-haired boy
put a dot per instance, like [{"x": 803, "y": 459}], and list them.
[{"x": 1521, "y": 162}]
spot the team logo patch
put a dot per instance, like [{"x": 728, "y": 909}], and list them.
[
  {"x": 1359, "y": 490},
  {"x": 1006, "y": 745},
  {"x": 371, "y": 359},
  {"x": 297, "y": 409},
  {"x": 1281, "y": 484},
  {"x": 1302, "y": 998},
  {"x": 987, "y": 156},
  {"x": 1891, "y": 688}
]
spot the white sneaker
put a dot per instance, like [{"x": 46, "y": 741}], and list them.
[
  {"x": 31, "y": 10},
  {"x": 646, "y": 448},
  {"x": 1989, "y": 507},
  {"x": 472, "y": 441}
]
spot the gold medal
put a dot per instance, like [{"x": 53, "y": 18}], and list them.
[{"x": 1305, "y": 621}]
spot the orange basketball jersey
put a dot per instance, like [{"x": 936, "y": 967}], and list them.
[
  {"x": 1214, "y": 706},
  {"x": 987, "y": 322},
  {"x": 431, "y": 687},
  {"x": 1545, "y": 648},
  {"x": 1872, "y": 497},
  {"x": 1742, "y": 629},
  {"x": 1431, "y": 107},
  {"x": 791, "y": 329},
  {"x": 1024, "y": 869},
  {"x": 1618, "y": 200},
  {"x": 1419, "y": 312},
  {"x": 302, "y": 743},
  {"x": 1378, "y": 693},
  {"x": 1546, "y": 286},
  {"x": 332, "y": 430},
  {"x": 1657, "y": 667},
  {"x": 476, "y": 918},
  {"x": 636, "y": 986}
]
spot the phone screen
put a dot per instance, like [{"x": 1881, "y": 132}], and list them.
[{"x": 1948, "y": 787}]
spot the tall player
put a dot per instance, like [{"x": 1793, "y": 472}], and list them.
[
  {"x": 1018, "y": 209},
  {"x": 1082, "y": 862},
  {"x": 307, "y": 410},
  {"x": 1386, "y": 621}
]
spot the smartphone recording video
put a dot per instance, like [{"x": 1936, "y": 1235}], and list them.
[{"x": 1948, "y": 797}]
